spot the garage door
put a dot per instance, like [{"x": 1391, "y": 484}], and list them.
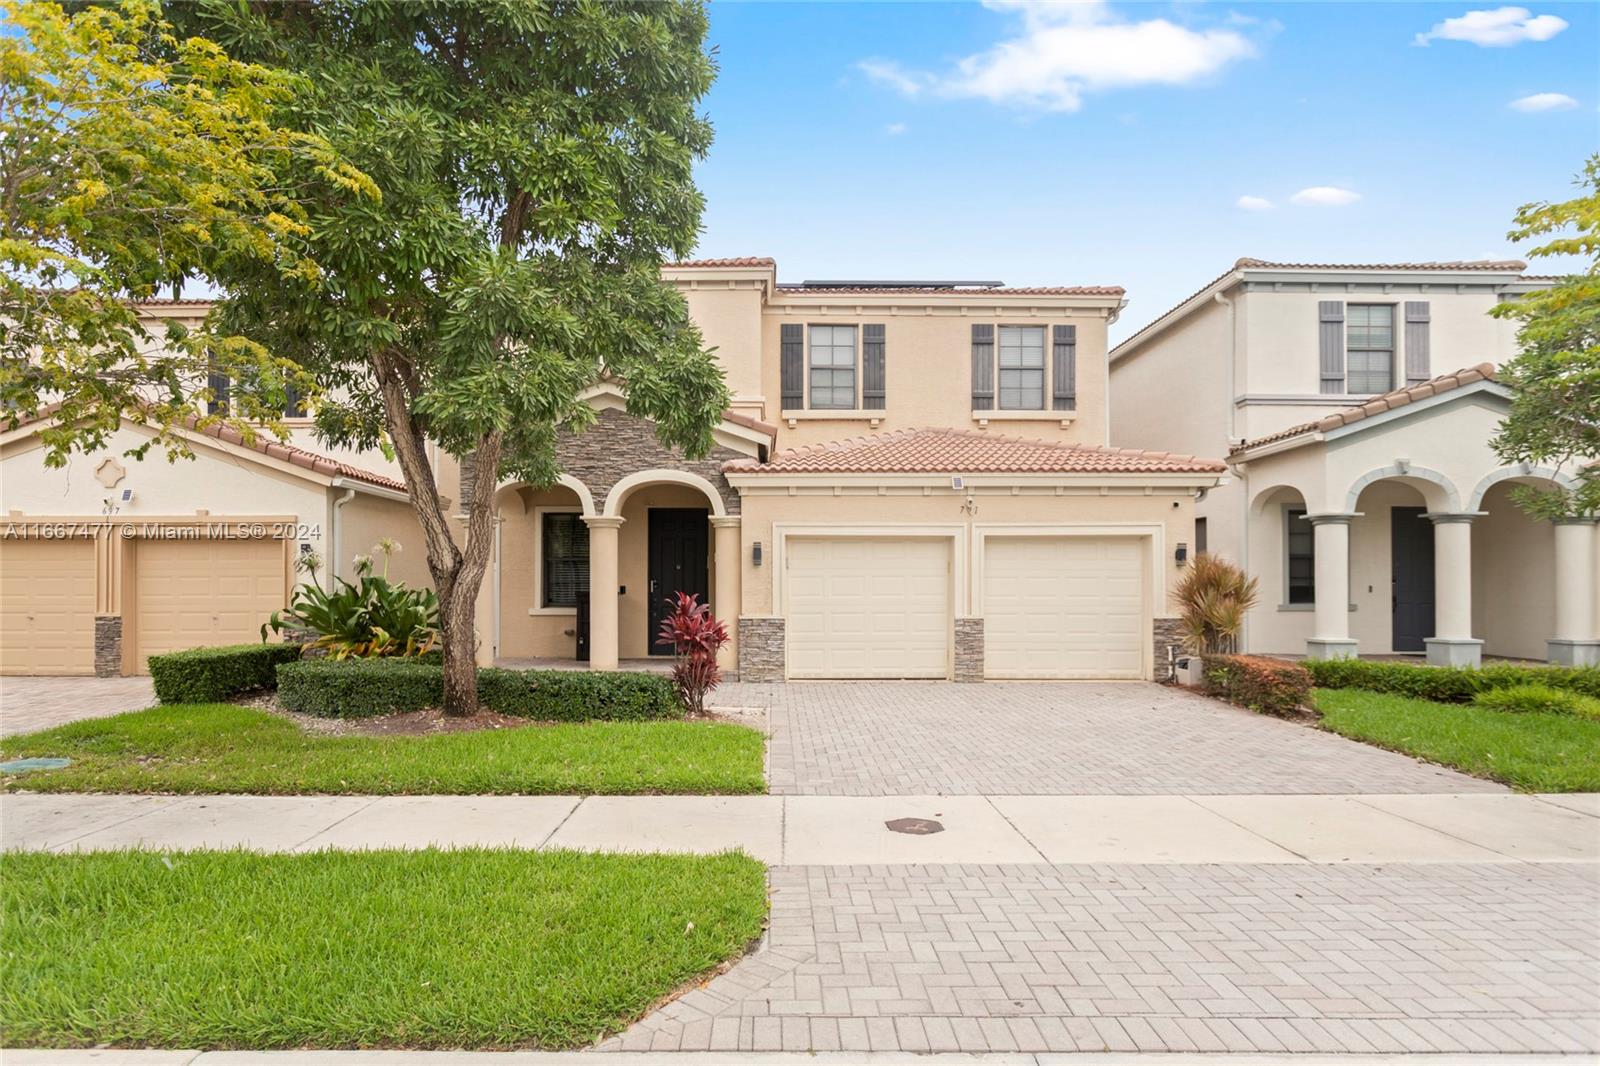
[
  {"x": 867, "y": 607},
  {"x": 1063, "y": 607},
  {"x": 194, "y": 593},
  {"x": 47, "y": 606}
]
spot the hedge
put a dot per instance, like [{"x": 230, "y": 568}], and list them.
[
  {"x": 1448, "y": 684},
  {"x": 361, "y": 688},
  {"x": 211, "y": 675},
  {"x": 1269, "y": 686},
  {"x": 1539, "y": 699}
]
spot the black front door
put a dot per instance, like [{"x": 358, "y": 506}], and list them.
[
  {"x": 678, "y": 563},
  {"x": 1411, "y": 554}
]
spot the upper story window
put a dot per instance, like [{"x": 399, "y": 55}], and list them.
[
  {"x": 1022, "y": 368},
  {"x": 1369, "y": 348},
  {"x": 832, "y": 363}
]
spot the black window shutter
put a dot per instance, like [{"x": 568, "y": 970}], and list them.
[
  {"x": 1330, "y": 344},
  {"x": 982, "y": 367},
  {"x": 873, "y": 382},
  {"x": 1064, "y": 372},
  {"x": 1417, "y": 356},
  {"x": 220, "y": 386},
  {"x": 792, "y": 355}
]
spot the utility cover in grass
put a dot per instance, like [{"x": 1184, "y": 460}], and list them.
[{"x": 22, "y": 766}]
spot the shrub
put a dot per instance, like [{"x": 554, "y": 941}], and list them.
[
  {"x": 369, "y": 619},
  {"x": 1267, "y": 686},
  {"x": 1539, "y": 699},
  {"x": 211, "y": 675},
  {"x": 696, "y": 637},
  {"x": 1214, "y": 596},
  {"x": 1449, "y": 684},
  {"x": 361, "y": 688}
]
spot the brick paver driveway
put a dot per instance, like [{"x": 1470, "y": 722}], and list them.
[
  {"x": 30, "y": 703},
  {"x": 914, "y": 738}
]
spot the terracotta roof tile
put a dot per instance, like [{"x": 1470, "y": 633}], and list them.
[
  {"x": 737, "y": 261},
  {"x": 949, "y": 290},
  {"x": 1378, "y": 405},
  {"x": 952, "y": 451},
  {"x": 1500, "y": 266},
  {"x": 748, "y": 422}
]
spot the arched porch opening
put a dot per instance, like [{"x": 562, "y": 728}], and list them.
[
  {"x": 540, "y": 569},
  {"x": 1280, "y": 559},
  {"x": 1394, "y": 587}
]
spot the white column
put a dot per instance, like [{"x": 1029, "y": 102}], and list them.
[
  {"x": 1331, "y": 630},
  {"x": 602, "y": 591},
  {"x": 725, "y": 583},
  {"x": 1452, "y": 643},
  {"x": 1577, "y": 639}
]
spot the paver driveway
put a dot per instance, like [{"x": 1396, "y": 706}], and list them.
[
  {"x": 30, "y": 703},
  {"x": 915, "y": 738}
]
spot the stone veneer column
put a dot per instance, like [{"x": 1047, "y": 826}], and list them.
[
  {"x": 1331, "y": 633},
  {"x": 1452, "y": 643},
  {"x": 969, "y": 649},
  {"x": 108, "y": 645},
  {"x": 762, "y": 651},
  {"x": 1165, "y": 633},
  {"x": 725, "y": 584},
  {"x": 602, "y": 590},
  {"x": 1577, "y": 638}
]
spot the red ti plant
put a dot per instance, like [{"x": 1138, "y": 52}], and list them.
[{"x": 696, "y": 637}]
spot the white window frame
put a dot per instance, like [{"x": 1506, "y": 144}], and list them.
[
  {"x": 1393, "y": 349},
  {"x": 1044, "y": 367},
  {"x": 538, "y": 607},
  {"x": 855, "y": 366}
]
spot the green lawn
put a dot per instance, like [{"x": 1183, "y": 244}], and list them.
[
  {"x": 1535, "y": 752},
  {"x": 206, "y": 748},
  {"x": 428, "y": 949}
]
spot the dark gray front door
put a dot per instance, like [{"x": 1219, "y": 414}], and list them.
[
  {"x": 679, "y": 556},
  {"x": 1411, "y": 540}
]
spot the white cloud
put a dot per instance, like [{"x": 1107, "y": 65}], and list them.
[
  {"x": 1545, "y": 102},
  {"x": 1500, "y": 28},
  {"x": 1066, "y": 50},
  {"x": 1324, "y": 196},
  {"x": 895, "y": 129},
  {"x": 1253, "y": 203}
]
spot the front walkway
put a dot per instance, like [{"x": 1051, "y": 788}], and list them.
[{"x": 31, "y": 703}]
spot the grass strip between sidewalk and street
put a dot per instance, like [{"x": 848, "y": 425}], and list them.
[
  {"x": 224, "y": 748},
  {"x": 425, "y": 949},
  {"x": 1535, "y": 752}
]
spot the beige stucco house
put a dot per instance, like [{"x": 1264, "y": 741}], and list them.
[
  {"x": 1356, "y": 404},
  {"x": 913, "y": 479}
]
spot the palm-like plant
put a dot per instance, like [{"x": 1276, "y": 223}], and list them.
[
  {"x": 1214, "y": 596},
  {"x": 365, "y": 620}
]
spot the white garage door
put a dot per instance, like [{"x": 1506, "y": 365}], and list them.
[
  {"x": 199, "y": 593},
  {"x": 47, "y": 606},
  {"x": 1063, "y": 607},
  {"x": 867, "y": 607}
]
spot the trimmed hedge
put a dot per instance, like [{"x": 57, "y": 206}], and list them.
[
  {"x": 212, "y": 675},
  {"x": 362, "y": 688},
  {"x": 1539, "y": 699},
  {"x": 1448, "y": 684},
  {"x": 1267, "y": 686}
]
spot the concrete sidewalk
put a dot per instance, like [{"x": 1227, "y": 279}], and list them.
[
  {"x": 844, "y": 831},
  {"x": 114, "y": 1057}
]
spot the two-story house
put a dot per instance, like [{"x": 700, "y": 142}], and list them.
[
  {"x": 913, "y": 480},
  {"x": 1356, "y": 405}
]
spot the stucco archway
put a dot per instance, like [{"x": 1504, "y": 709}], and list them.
[
  {"x": 1521, "y": 472},
  {"x": 566, "y": 481},
  {"x": 619, "y": 492},
  {"x": 1437, "y": 490}
]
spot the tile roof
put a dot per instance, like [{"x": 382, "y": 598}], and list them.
[
  {"x": 935, "y": 290},
  {"x": 1494, "y": 265},
  {"x": 749, "y": 422},
  {"x": 1389, "y": 401},
  {"x": 952, "y": 451},
  {"x": 737, "y": 261}
]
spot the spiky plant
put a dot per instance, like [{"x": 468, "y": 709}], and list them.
[{"x": 1214, "y": 596}]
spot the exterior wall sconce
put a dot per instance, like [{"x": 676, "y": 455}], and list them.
[
  {"x": 755, "y": 554},
  {"x": 1181, "y": 556}
]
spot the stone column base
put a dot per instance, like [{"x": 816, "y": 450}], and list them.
[
  {"x": 1167, "y": 646},
  {"x": 762, "y": 649},
  {"x": 969, "y": 649},
  {"x": 1322, "y": 648},
  {"x": 107, "y": 645},
  {"x": 1573, "y": 652},
  {"x": 1453, "y": 651}
]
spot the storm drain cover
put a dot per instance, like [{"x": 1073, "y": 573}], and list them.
[
  {"x": 22, "y": 766},
  {"x": 919, "y": 827}
]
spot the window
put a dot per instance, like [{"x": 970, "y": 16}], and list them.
[
  {"x": 1301, "y": 551},
  {"x": 1022, "y": 368},
  {"x": 564, "y": 558},
  {"x": 1199, "y": 536},
  {"x": 833, "y": 367},
  {"x": 1369, "y": 348}
]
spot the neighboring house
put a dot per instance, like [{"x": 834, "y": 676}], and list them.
[
  {"x": 912, "y": 480},
  {"x": 1364, "y": 493}
]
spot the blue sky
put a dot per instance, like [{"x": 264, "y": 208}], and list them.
[{"x": 1111, "y": 143}]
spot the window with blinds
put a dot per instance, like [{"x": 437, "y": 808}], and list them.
[
  {"x": 1369, "y": 348},
  {"x": 1022, "y": 368},
  {"x": 564, "y": 554}
]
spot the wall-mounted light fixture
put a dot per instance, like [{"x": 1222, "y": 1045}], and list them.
[
  {"x": 755, "y": 554},
  {"x": 1182, "y": 554}
]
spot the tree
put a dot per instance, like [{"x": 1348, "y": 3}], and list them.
[
  {"x": 131, "y": 160},
  {"x": 1555, "y": 378},
  {"x": 535, "y": 164}
]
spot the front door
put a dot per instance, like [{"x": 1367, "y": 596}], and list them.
[
  {"x": 679, "y": 561},
  {"x": 1411, "y": 554}
]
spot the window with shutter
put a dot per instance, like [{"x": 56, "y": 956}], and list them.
[
  {"x": 792, "y": 365},
  {"x": 833, "y": 368},
  {"x": 1022, "y": 368},
  {"x": 982, "y": 367},
  {"x": 873, "y": 377},
  {"x": 1369, "y": 348},
  {"x": 564, "y": 558},
  {"x": 1064, "y": 369},
  {"x": 220, "y": 387}
]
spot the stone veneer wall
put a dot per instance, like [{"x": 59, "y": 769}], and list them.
[
  {"x": 619, "y": 444},
  {"x": 761, "y": 648},
  {"x": 969, "y": 649},
  {"x": 1167, "y": 632},
  {"x": 107, "y": 645}
]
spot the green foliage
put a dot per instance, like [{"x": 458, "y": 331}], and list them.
[
  {"x": 1538, "y": 699},
  {"x": 470, "y": 948},
  {"x": 373, "y": 687},
  {"x": 206, "y": 675},
  {"x": 1267, "y": 686},
  {"x": 1213, "y": 596},
  {"x": 1555, "y": 380},
  {"x": 1448, "y": 684},
  {"x": 367, "y": 620}
]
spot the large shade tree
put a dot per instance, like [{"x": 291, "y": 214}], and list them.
[{"x": 535, "y": 162}]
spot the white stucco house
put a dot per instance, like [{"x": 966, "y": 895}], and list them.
[{"x": 1356, "y": 404}]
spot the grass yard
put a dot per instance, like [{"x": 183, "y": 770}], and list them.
[
  {"x": 1535, "y": 752},
  {"x": 428, "y": 949},
  {"x": 217, "y": 748}
]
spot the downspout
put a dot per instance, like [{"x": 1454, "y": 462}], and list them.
[{"x": 333, "y": 535}]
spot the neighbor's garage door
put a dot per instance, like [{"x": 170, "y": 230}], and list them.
[
  {"x": 867, "y": 607},
  {"x": 47, "y": 606},
  {"x": 193, "y": 593},
  {"x": 1063, "y": 607}
]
